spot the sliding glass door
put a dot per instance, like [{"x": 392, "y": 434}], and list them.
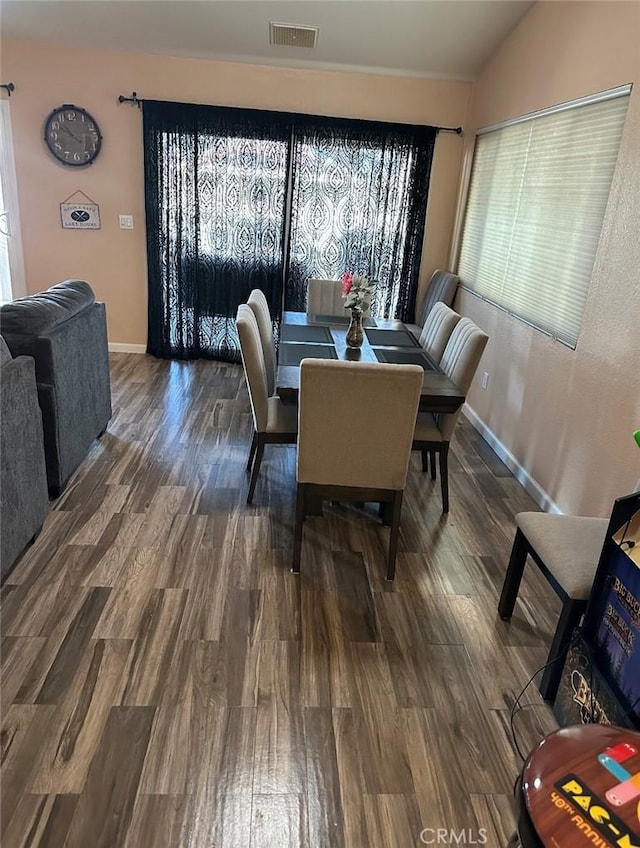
[
  {"x": 238, "y": 199},
  {"x": 359, "y": 198},
  {"x": 215, "y": 205}
]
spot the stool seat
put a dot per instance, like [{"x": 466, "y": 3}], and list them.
[
  {"x": 566, "y": 549},
  {"x": 568, "y": 545}
]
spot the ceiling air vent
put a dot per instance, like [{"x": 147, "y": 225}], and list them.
[{"x": 292, "y": 35}]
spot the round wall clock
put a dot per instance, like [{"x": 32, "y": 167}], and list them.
[{"x": 72, "y": 135}]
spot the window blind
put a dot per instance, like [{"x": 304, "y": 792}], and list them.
[{"x": 537, "y": 196}]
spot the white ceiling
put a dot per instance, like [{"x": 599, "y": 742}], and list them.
[{"x": 444, "y": 39}]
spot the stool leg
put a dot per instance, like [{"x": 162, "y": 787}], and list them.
[
  {"x": 569, "y": 620},
  {"x": 513, "y": 576}
]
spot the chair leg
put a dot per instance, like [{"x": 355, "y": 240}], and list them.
[
  {"x": 513, "y": 577},
  {"x": 252, "y": 451},
  {"x": 386, "y": 513},
  {"x": 569, "y": 620},
  {"x": 395, "y": 535},
  {"x": 432, "y": 463},
  {"x": 297, "y": 530},
  {"x": 444, "y": 475},
  {"x": 425, "y": 460},
  {"x": 256, "y": 466}
]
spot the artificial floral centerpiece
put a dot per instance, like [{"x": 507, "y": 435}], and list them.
[{"x": 356, "y": 290}]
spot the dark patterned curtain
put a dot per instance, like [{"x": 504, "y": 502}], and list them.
[
  {"x": 215, "y": 192},
  {"x": 358, "y": 203},
  {"x": 216, "y": 186}
]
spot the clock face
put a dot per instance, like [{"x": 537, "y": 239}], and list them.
[{"x": 72, "y": 135}]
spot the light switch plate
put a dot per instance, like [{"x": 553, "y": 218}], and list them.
[{"x": 126, "y": 222}]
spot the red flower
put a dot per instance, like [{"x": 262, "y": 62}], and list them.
[{"x": 347, "y": 282}]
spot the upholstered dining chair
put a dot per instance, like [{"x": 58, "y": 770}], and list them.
[
  {"x": 433, "y": 432},
  {"x": 442, "y": 288},
  {"x": 274, "y": 423},
  {"x": 566, "y": 549},
  {"x": 358, "y": 446},
  {"x": 258, "y": 303},
  {"x": 437, "y": 330},
  {"x": 324, "y": 297}
]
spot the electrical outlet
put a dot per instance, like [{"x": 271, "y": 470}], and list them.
[
  {"x": 485, "y": 379},
  {"x": 126, "y": 222}
]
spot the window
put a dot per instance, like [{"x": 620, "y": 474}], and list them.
[
  {"x": 537, "y": 198},
  {"x": 11, "y": 266}
]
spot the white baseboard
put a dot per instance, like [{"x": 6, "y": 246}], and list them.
[
  {"x": 519, "y": 472},
  {"x": 123, "y": 347}
]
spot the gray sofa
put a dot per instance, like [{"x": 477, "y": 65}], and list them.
[
  {"x": 65, "y": 331},
  {"x": 23, "y": 490}
]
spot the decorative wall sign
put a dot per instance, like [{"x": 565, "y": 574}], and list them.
[{"x": 80, "y": 215}]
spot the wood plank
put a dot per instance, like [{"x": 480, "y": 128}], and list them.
[
  {"x": 279, "y": 821},
  {"x": 77, "y": 725},
  {"x": 154, "y": 648},
  {"x": 65, "y": 665},
  {"x": 280, "y": 762},
  {"x": 25, "y": 728},
  {"x": 324, "y": 802},
  {"x": 325, "y": 661},
  {"x": 161, "y": 821},
  {"x": 392, "y": 820},
  {"x": 17, "y": 655},
  {"x": 350, "y": 775},
  {"x": 383, "y": 749},
  {"x": 105, "y": 807},
  {"x": 495, "y": 817},
  {"x": 41, "y": 820}
]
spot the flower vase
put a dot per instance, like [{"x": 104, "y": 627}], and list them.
[{"x": 354, "y": 333}]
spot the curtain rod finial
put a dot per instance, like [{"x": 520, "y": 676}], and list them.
[{"x": 133, "y": 99}]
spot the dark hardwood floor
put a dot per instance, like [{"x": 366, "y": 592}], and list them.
[{"x": 166, "y": 681}]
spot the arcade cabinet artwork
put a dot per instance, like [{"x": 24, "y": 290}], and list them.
[{"x": 601, "y": 677}]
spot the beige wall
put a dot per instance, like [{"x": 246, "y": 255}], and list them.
[
  {"x": 567, "y": 416},
  {"x": 114, "y": 260}
]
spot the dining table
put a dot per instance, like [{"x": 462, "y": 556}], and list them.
[{"x": 304, "y": 335}]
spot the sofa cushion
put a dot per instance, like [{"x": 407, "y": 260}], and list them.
[
  {"x": 23, "y": 493},
  {"x": 41, "y": 312}
]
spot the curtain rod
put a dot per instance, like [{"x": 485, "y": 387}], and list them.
[
  {"x": 138, "y": 101},
  {"x": 9, "y": 87}
]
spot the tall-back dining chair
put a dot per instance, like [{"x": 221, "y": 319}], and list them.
[
  {"x": 441, "y": 289},
  {"x": 273, "y": 421},
  {"x": 357, "y": 446},
  {"x": 433, "y": 432},
  {"x": 437, "y": 330},
  {"x": 324, "y": 297},
  {"x": 258, "y": 303}
]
